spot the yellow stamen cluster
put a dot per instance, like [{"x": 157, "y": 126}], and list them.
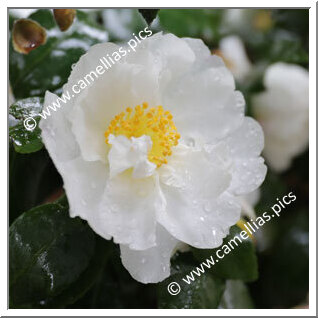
[{"x": 154, "y": 122}]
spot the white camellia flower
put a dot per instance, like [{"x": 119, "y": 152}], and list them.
[
  {"x": 247, "y": 20},
  {"x": 157, "y": 151},
  {"x": 248, "y": 203},
  {"x": 283, "y": 111},
  {"x": 233, "y": 51}
]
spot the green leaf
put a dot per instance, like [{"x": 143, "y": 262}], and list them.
[
  {"x": 26, "y": 140},
  {"x": 296, "y": 21},
  {"x": 199, "y": 23},
  {"x": 32, "y": 179},
  {"x": 115, "y": 288},
  {"x": 276, "y": 46},
  {"x": 239, "y": 262},
  {"x": 287, "y": 47},
  {"x": 48, "y": 67},
  {"x": 284, "y": 272},
  {"x": 62, "y": 200},
  {"x": 87, "y": 280},
  {"x": 49, "y": 254},
  {"x": 202, "y": 293},
  {"x": 236, "y": 296},
  {"x": 149, "y": 14}
]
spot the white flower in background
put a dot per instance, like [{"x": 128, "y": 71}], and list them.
[
  {"x": 283, "y": 111},
  {"x": 247, "y": 20},
  {"x": 156, "y": 151},
  {"x": 120, "y": 22},
  {"x": 233, "y": 52},
  {"x": 21, "y": 13},
  {"x": 236, "y": 19}
]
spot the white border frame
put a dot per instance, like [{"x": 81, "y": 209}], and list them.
[{"x": 312, "y": 163}]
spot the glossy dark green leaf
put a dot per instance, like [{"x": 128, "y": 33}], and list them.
[
  {"x": 284, "y": 269},
  {"x": 199, "y": 23},
  {"x": 87, "y": 280},
  {"x": 48, "y": 66},
  {"x": 204, "y": 292},
  {"x": 236, "y": 296},
  {"x": 239, "y": 262},
  {"x": 24, "y": 130},
  {"x": 49, "y": 251},
  {"x": 115, "y": 288},
  {"x": 296, "y": 21},
  {"x": 149, "y": 14},
  {"x": 33, "y": 178}
]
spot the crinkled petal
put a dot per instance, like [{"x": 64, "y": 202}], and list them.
[
  {"x": 128, "y": 208},
  {"x": 248, "y": 168},
  {"x": 198, "y": 210},
  {"x": 248, "y": 175},
  {"x": 84, "y": 182},
  {"x": 151, "y": 265},
  {"x": 130, "y": 153},
  {"x": 198, "y": 100},
  {"x": 138, "y": 74},
  {"x": 171, "y": 52},
  {"x": 122, "y": 85},
  {"x": 204, "y": 58},
  {"x": 247, "y": 141},
  {"x": 57, "y": 134}
]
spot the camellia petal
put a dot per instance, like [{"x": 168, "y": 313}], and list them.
[
  {"x": 151, "y": 265},
  {"x": 193, "y": 188},
  {"x": 128, "y": 210},
  {"x": 207, "y": 95},
  {"x": 126, "y": 153},
  {"x": 55, "y": 129}
]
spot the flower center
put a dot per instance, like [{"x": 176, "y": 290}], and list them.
[{"x": 154, "y": 122}]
